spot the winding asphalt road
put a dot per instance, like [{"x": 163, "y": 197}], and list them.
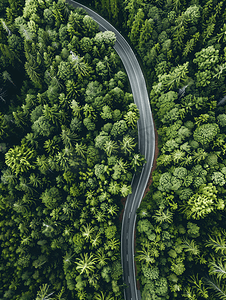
[{"x": 146, "y": 142}]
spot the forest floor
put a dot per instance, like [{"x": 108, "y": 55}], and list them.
[{"x": 123, "y": 200}]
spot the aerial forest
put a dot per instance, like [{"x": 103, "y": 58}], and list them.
[
  {"x": 69, "y": 149},
  {"x": 181, "y": 232},
  {"x": 181, "y": 246}
]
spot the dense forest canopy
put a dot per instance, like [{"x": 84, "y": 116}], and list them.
[
  {"x": 68, "y": 151},
  {"x": 181, "y": 222}
]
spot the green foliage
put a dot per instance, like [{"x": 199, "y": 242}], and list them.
[
  {"x": 205, "y": 133},
  {"x": 206, "y": 58},
  {"x": 150, "y": 272},
  {"x": 178, "y": 268},
  {"x": 51, "y": 198},
  {"x": 192, "y": 14},
  {"x": 218, "y": 178},
  {"x": 203, "y": 202},
  {"x": 86, "y": 264},
  {"x": 163, "y": 216},
  {"x": 42, "y": 126},
  {"x": 217, "y": 288},
  {"x": 119, "y": 128},
  {"x": 166, "y": 102},
  {"x": 61, "y": 186},
  {"x": 184, "y": 61},
  {"x": 110, "y": 232},
  {"x": 191, "y": 247},
  {"x": 171, "y": 80},
  {"x": 193, "y": 229},
  {"x": 20, "y": 159},
  {"x": 199, "y": 287},
  {"x": 218, "y": 243},
  {"x": 136, "y": 27},
  {"x": 43, "y": 293},
  {"x": 61, "y": 78},
  {"x": 218, "y": 268},
  {"x": 222, "y": 120}
]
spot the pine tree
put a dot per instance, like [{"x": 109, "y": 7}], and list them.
[
  {"x": 32, "y": 72},
  {"x": 134, "y": 35}
]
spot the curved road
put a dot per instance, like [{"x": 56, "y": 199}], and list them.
[{"x": 146, "y": 142}]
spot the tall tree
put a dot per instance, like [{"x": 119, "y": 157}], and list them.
[
  {"x": 20, "y": 159},
  {"x": 86, "y": 264},
  {"x": 134, "y": 35}
]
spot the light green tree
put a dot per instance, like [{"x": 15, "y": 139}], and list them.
[
  {"x": 199, "y": 155},
  {"x": 100, "y": 216},
  {"x": 42, "y": 126},
  {"x": 103, "y": 296},
  {"x": 51, "y": 113},
  {"x": 62, "y": 159},
  {"x": 65, "y": 71},
  {"x": 101, "y": 139},
  {"x": 119, "y": 128},
  {"x": 110, "y": 147},
  {"x": 51, "y": 145},
  {"x": 145, "y": 33},
  {"x": 101, "y": 257},
  {"x": 80, "y": 149},
  {"x": 203, "y": 203},
  {"x": 145, "y": 256},
  {"x": 96, "y": 240},
  {"x": 218, "y": 178},
  {"x": 81, "y": 68},
  {"x": 86, "y": 264},
  {"x": 51, "y": 197},
  {"x": 110, "y": 232},
  {"x": 114, "y": 187},
  {"x": 90, "y": 25},
  {"x": 190, "y": 45},
  {"x": 171, "y": 80},
  {"x": 113, "y": 209},
  {"x": 127, "y": 144},
  {"x": 76, "y": 109},
  {"x": 205, "y": 133},
  {"x": 137, "y": 162},
  {"x": 42, "y": 294},
  {"x": 89, "y": 111},
  {"x": 89, "y": 124},
  {"x": 107, "y": 113},
  {"x": 134, "y": 34},
  {"x": 206, "y": 59},
  {"x": 125, "y": 190},
  {"x": 87, "y": 231},
  {"x": 131, "y": 118},
  {"x": 86, "y": 44},
  {"x": 222, "y": 34},
  {"x": 68, "y": 138},
  {"x": 20, "y": 159},
  {"x": 112, "y": 244}
]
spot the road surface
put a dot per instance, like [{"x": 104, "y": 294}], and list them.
[{"x": 146, "y": 143}]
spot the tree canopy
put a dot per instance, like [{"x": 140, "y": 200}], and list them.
[{"x": 68, "y": 151}]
